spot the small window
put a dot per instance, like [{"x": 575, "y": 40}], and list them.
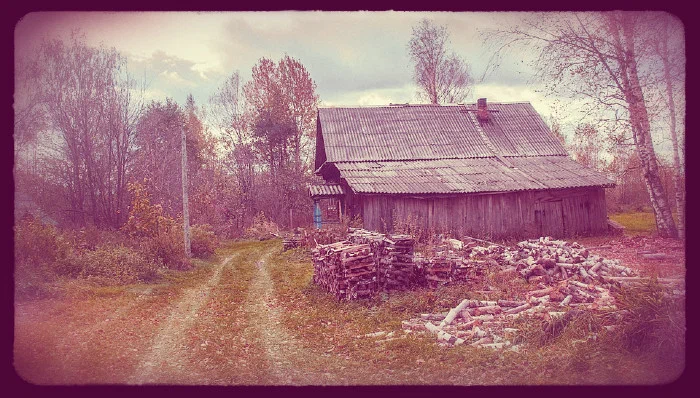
[{"x": 331, "y": 210}]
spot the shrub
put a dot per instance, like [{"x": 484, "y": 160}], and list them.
[
  {"x": 38, "y": 245},
  {"x": 40, "y": 252},
  {"x": 203, "y": 240},
  {"x": 261, "y": 228},
  {"x": 117, "y": 265},
  {"x": 160, "y": 235},
  {"x": 653, "y": 320}
]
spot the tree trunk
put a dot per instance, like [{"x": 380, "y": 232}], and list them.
[
  {"x": 185, "y": 201},
  {"x": 639, "y": 120},
  {"x": 677, "y": 185}
]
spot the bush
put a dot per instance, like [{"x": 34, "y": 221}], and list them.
[
  {"x": 261, "y": 228},
  {"x": 40, "y": 252},
  {"x": 203, "y": 240},
  {"x": 38, "y": 245},
  {"x": 160, "y": 235},
  {"x": 117, "y": 265},
  {"x": 653, "y": 320}
]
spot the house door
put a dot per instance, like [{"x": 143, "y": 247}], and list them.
[{"x": 549, "y": 218}]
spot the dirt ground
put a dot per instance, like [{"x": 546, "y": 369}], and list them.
[{"x": 221, "y": 325}]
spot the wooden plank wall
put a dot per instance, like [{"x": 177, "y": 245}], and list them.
[{"x": 504, "y": 215}]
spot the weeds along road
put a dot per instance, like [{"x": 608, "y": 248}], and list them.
[{"x": 219, "y": 324}]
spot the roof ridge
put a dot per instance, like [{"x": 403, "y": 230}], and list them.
[{"x": 417, "y": 105}]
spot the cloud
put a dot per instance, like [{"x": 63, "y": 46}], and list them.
[{"x": 171, "y": 76}]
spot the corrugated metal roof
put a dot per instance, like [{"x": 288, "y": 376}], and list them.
[
  {"x": 318, "y": 190},
  {"x": 420, "y": 132},
  {"x": 445, "y": 176}
]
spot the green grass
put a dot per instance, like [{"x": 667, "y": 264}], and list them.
[{"x": 637, "y": 222}]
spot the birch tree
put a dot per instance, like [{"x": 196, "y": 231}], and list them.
[
  {"x": 598, "y": 57},
  {"x": 441, "y": 76},
  {"x": 669, "y": 47}
]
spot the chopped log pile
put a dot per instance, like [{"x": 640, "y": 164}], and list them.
[
  {"x": 291, "y": 242},
  {"x": 385, "y": 261},
  {"x": 367, "y": 262},
  {"x": 346, "y": 270}
]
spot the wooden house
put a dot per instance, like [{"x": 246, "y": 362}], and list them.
[{"x": 489, "y": 170}]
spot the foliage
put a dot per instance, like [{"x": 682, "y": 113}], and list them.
[
  {"x": 441, "y": 77},
  {"x": 118, "y": 265},
  {"x": 40, "y": 254},
  {"x": 203, "y": 240},
  {"x": 261, "y": 228},
  {"x": 161, "y": 236}
]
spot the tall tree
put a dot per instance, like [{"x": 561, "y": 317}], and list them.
[
  {"x": 158, "y": 152},
  {"x": 281, "y": 106},
  {"x": 90, "y": 114},
  {"x": 441, "y": 76},
  {"x": 597, "y": 56},
  {"x": 672, "y": 59}
]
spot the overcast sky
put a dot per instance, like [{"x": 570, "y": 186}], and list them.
[{"x": 355, "y": 58}]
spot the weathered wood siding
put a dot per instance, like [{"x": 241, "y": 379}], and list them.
[{"x": 557, "y": 213}]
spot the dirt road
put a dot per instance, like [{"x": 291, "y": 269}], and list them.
[{"x": 220, "y": 326}]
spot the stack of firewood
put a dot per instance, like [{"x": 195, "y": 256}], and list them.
[
  {"x": 346, "y": 270},
  {"x": 290, "y": 243},
  {"x": 396, "y": 267},
  {"x": 442, "y": 269},
  {"x": 393, "y": 256}
]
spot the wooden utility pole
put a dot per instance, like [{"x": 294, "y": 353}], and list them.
[{"x": 185, "y": 201}]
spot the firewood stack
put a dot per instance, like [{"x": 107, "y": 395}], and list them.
[
  {"x": 441, "y": 269},
  {"x": 397, "y": 270},
  {"x": 393, "y": 256},
  {"x": 290, "y": 243},
  {"x": 347, "y": 270}
]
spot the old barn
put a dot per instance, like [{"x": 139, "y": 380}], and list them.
[{"x": 491, "y": 170}]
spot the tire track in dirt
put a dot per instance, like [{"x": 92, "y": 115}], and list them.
[
  {"x": 288, "y": 361},
  {"x": 166, "y": 361}
]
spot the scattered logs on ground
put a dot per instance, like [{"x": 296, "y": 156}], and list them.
[
  {"x": 488, "y": 323},
  {"x": 548, "y": 260}
]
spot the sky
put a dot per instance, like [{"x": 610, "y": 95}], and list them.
[{"x": 355, "y": 58}]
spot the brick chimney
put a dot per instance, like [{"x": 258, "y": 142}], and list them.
[{"x": 482, "y": 111}]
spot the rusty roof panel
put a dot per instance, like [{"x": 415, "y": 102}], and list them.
[{"x": 468, "y": 175}]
